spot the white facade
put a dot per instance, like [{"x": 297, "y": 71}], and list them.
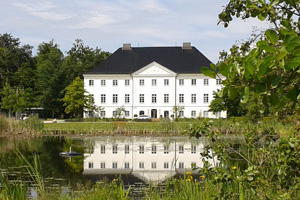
[{"x": 153, "y": 90}]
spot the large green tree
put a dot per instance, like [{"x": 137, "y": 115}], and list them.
[{"x": 270, "y": 70}]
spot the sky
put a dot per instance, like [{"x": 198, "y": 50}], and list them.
[{"x": 108, "y": 24}]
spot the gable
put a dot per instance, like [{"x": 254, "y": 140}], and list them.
[{"x": 154, "y": 69}]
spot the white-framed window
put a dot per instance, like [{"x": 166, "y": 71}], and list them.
[
  {"x": 166, "y": 149},
  {"x": 141, "y": 149},
  {"x": 126, "y": 113},
  {"x": 193, "y": 113},
  {"x": 154, "y": 82},
  {"x": 103, "y": 98},
  {"x": 91, "y": 82},
  {"x": 205, "y": 98},
  {"x": 115, "y": 82},
  {"x": 127, "y": 82},
  {"x": 126, "y": 148},
  {"x": 205, "y": 114},
  {"x": 115, "y": 149},
  {"x": 102, "y": 113},
  {"x": 114, "y": 165},
  {"x": 115, "y": 98},
  {"x": 126, "y": 165},
  {"x": 142, "y": 112},
  {"x": 193, "y": 98},
  {"x": 153, "y": 165},
  {"x": 166, "y": 98},
  {"x": 193, "y": 149},
  {"x": 218, "y": 114},
  {"x": 181, "y": 165},
  {"x": 181, "y": 98},
  {"x": 102, "y": 149},
  {"x": 218, "y": 81},
  {"x": 127, "y": 98},
  {"x": 153, "y": 98},
  {"x": 205, "y": 82},
  {"x": 142, "y": 98},
  {"x": 91, "y": 165},
  {"x": 142, "y": 82},
  {"x": 181, "y": 81},
  {"x": 166, "y": 82},
  {"x": 102, "y": 165},
  {"x": 181, "y": 148},
  {"x": 141, "y": 165},
  {"x": 103, "y": 82},
  {"x": 153, "y": 149},
  {"x": 194, "y": 82},
  {"x": 166, "y": 165},
  {"x": 181, "y": 113}
]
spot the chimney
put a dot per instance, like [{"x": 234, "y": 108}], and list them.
[
  {"x": 186, "y": 45},
  {"x": 126, "y": 47}
]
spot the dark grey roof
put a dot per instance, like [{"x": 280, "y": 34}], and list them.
[{"x": 174, "y": 58}]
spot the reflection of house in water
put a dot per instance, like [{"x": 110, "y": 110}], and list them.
[{"x": 145, "y": 158}]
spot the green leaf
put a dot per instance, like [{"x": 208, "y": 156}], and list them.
[
  {"x": 261, "y": 17},
  {"x": 261, "y": 88},
  {"x": 293, "y": 94},
  {"x": 224, "y": 69},
  {"x": 276, "y": 81},
  {"x": 245, "y": 95},
  {"x": 282, "y": 53},
  {"x": 213, "y": 67},
  {"x": 297, "y": 52},
  {"x": 274, "y": 100},
  {"x": 292, "y": 64},
  {"x": 265, "y": 46},
  {"x": 232, "y": 93},
  {"x": 272, "y": 36},
  {"x": 207, "y": 72},
  {"x": 291, "y": 46}
]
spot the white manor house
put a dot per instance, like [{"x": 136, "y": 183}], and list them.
[{"x": 151, "y": 81}]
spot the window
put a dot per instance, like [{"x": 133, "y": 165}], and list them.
[
  {"x": 205, "y": 81},
  {"x": 181, "y": 98},
  {"x": 126, "y": 113},
  {"x": 115, "y": 98},
  {"x": 193, "y": 114},
  {"x": 103, "y": 98},
  {"x": 141, "y": 165},
  {"x": 102, "y": 165},
  {"x": 127, "y": 82},
  {"x": 102, "y": 113},
  {"x": 114, "y": 165},
  {"x": 114, "y": 113},
  {"x": 166, "y": 149},
  {"x": 153, "y": 165},
  {"x": 181, "y": 81},
  {"x": 115, "y": 82},
  {"x": 142, "y": 82},
  {"x": 142, "y": 98},
  {"x": 91, "y": 82},
  {"x": 218, "y": 81},
  {"x": 205, "y": 114},
  {"x": 115, "y": 149},
  {"x": 181, "y": 149},
  {"x": 102, "y": 149},
  {"x": 126, "y": 149},
  {"x": 205, "y": 98},
  {"x": 153, "y": 82},
  {"x": 181, "y": 113},
  {"x": 181, "y": 165},
  {"x": 142, "y": 112},
  {"x": 166, "y": 165},
  {"x": 127, "y": 98},
  {"x": 193, "y": 149},
  {"x": 142, "y": 149},
  {"x": 126, "y": 165},
  {"x": 194, "y": 82},
  {"x": 153, "y": 98},
  {"x": 166, "y": 98},
  {"x": 166, "y": 82},
  {"x": 218, "y": 114},
  {"x": 153, "y": 149},
  {"x": 91, "y": 165},
  {"x": 193, "y": 98},
  {"x": 103, "y": 82}
]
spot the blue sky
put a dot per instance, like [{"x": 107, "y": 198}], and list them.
[{"x": 108, "y": 24}]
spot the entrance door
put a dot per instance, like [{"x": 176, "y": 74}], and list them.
[
  {"x": 153, "y": 113},
  {"x": 166, "y": 114}
]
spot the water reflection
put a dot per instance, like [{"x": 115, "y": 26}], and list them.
[{"x": 146, "y": 158}]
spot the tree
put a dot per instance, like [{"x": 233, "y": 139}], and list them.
[
  {"x": 176, "y": 110},
  {"x": 90, "y": 108},
  {"x": 120, "y": 111},
  {"x": 270, "y": 70}
]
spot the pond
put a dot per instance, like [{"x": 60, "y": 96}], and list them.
[{"x": 136, "y": 160}]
